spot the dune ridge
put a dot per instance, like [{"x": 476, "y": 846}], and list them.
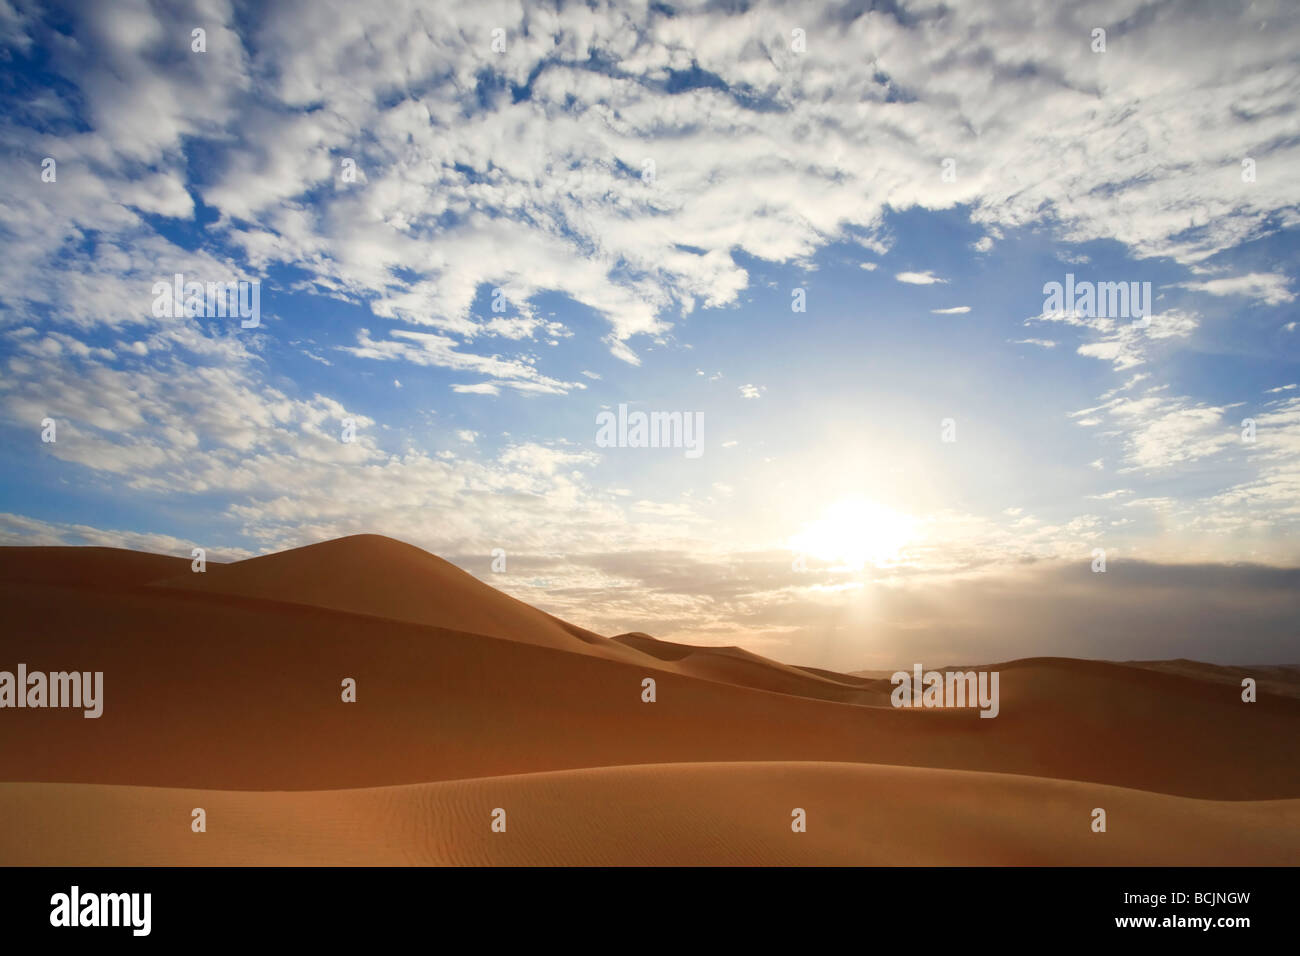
[
  {"x": 373, "y": 575},
  {"x": 664, "y": 814}
]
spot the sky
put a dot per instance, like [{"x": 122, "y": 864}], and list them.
[{"x": 825, "y": 233}]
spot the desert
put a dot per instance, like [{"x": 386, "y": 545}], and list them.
[{"x": 225, "y": 695}]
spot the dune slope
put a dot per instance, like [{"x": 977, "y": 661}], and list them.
[
  {"x": 217, "y": 691},
  {"x": 682, "y": 814},
  {"x": 87, "y": 567},
  {"x": 374, "y": 575}
]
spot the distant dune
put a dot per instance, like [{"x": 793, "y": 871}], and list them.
[
  {"x": 228, "y": 683},
  {"x": 1275, "y": 680},
  {"x": 735, "y": 665},
  {"x": 94, "y": 568}
]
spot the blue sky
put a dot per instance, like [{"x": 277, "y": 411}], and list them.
[{"x": 792, "y": 148}]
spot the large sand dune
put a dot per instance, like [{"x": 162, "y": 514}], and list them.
[
  {"x": 683, "y": 814},
  {"x": 230, "y": 681},
  {"x": 374, "y": 575}
]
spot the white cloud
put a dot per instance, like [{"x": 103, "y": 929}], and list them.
[
  {"x": 1159, "y": 432},
  {"x": 1125, "y": 343},
  {"x": 433, "y": 349},
  {"x": 458, "y": 193},
  {"x": 468, "y": 185},
  {"x": 919, "y": 278},
  {"x": 19, "y": 530},
  {"x": 1269, "y": 288}
]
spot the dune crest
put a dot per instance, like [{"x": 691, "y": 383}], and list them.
[{"x": 382, "y": 577}]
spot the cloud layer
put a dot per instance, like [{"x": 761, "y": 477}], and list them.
[{"x": 487, "y": 184}]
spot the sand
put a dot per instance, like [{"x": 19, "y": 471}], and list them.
[
  {"x": 661, "y": 814},
  {"x": 222, "y": 690}
]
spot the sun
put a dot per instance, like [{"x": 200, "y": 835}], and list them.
[{"x": 856, "y": 532}]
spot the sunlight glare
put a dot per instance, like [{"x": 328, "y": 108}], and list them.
[{"x": 856, "y": 532}]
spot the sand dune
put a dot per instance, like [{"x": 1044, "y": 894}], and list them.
[
  {"x": 1275, "y": 680},
  {"x": 371, "y": 574},
  {"x": 87, "y": 567},
  {"x": 683, "y": 814},
  {"x": 735, "y": 665},
  {"x": 238, "y": 693},
  {"x": 229, "y": 683}
]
